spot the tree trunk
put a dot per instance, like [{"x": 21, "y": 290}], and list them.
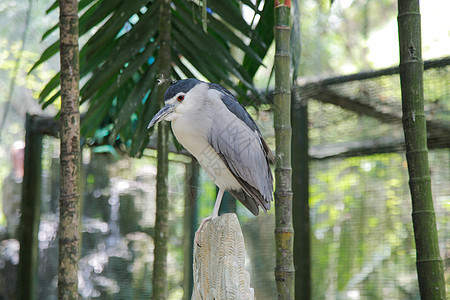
[
  {"x": 69, "y": 235},
  {"x": 31, "y": 212},
  {"x": 429, "y": 263},
  {"x": 300, "y": 204},
  {"x": 284, "y": 234},
  {"x": 162, "y": 203}
]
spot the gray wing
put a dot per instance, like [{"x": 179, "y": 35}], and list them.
[
  {"x": 239, "y": 111},
  {"x": 243, "y": 152},
  {"x": 234, "y": 106}
]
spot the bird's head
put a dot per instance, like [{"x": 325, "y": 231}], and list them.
[{"x": 180, "y": 98}]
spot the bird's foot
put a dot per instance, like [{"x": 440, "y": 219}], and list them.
[{"x": 202, "y": 223}]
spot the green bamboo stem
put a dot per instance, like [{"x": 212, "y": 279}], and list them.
[
  {"x": 284, "y": 233},
  {"x": 159, "y": 281},
  {"x": 429, "y": 263},
  {"x": 69, "y": 236}
]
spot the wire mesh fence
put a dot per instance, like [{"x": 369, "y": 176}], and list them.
[
  {"x": 361, "y": 230},
  {"x": 370, "y": 109},
  {"x": 360, "y": 208}
]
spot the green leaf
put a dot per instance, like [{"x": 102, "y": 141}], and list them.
[
  {"x": 141, "y": 134},
  {"x": 221, "y": 58},
  {"x": 49, "y": 52},
  {"x": 134, "y": 99},
  {"x": 181, "y": 66},
  {"x": 250, "y": 4},
  {"x": 106, "y": 149},
  {"x": 115, "y": 23},
  {"x": 51, "y": 85},
  {"x": 225, "y": 33},
  {"x": 145, "y": 28},
  {"x": 99, "y": 98},
  {"x": 51, "y": 100},
  {"x": 94, "y": 118},
  {"x": 81, "y": 5},
  {"x": 132, "y": 68},
  {"x": 82, "y": 21},
  {"x": 114, "y": 67},
  {"x": 52, "y": 7},
  {"x": 220, "y": 30},
  {"x": 50, "y": 31},
  {"x": 103, "y": 10},
  {"x": 189, "y": 51},
  {"x": 263, "y": 29},
  {"x": 230, "y": 12},
  {"x": 206, "y": 46}
]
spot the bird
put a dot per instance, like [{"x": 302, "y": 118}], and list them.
[{"x": 210, "y": 123}]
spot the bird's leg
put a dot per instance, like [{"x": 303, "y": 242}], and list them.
[{"x": 215, "y": 214}]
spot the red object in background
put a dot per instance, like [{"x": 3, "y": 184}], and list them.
[{"x": 285, "y": 3}]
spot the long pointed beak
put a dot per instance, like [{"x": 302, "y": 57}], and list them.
[{"x": 164, "y": 112}]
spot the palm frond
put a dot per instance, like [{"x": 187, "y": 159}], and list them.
[{"x": 118, "y": 62}]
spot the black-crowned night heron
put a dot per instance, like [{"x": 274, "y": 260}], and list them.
[{"x": 216, "y": 129}]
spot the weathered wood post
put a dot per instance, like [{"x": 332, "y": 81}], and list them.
[{"x": 219, "y": 262}]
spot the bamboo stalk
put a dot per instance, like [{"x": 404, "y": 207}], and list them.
[
  {"x": 159, "y": 280},
  {"x": 284, "y": 233},
  {"x": 428, "y": 262},
  {"x": 69, "y": 235}
]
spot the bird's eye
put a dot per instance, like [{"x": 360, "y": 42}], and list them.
[{"x": 180, "y": 98}]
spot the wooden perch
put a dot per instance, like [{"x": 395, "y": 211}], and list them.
[{"x": 219, "y": 271}]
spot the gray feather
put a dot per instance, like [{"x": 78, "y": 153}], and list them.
[
  {"x": 234, "y": 106},
  {"x": 239, "y": 111},
  {"x": 243, "y": 152}
]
